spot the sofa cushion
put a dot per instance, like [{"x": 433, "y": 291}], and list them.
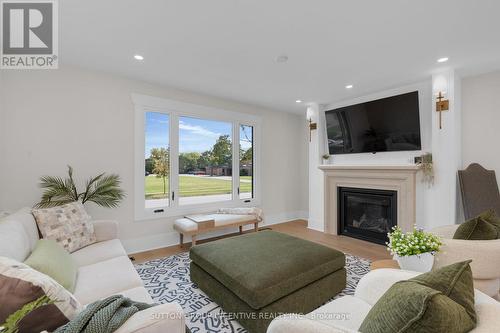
[
  {"x": 98, "y": 252},
  {"x": 344, "y": 312},
  {"x": 24, "y": 217},
  {"x": 137, "y": 294},
  {"x": 69, "y": 225},
  {"x": 105, "y": 278},
  {"x": 21, "y": 285},
  {"x": 51, "y": 259},
  {"x": 438, "y": 301},
  {"x": 485, "y": 226},
  {"x": 14, "y": 242},
  {"x": 265, "y": 266}
]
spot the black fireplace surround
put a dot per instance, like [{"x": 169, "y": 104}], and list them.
[{"x": 366, "y": 214}]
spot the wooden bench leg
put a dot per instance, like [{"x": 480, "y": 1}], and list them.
[
  {"x": 193, "y": 240},
  {"x": 241, "y": 229},
  {"x": 256, "y": 226},
  {"x": 181, "y": 239}
]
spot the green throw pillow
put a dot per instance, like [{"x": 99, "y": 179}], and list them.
[
  {"x": 438, "y": 301},
  {"x": 482, "y": 227},
  {"x": 53, "y": 260}
]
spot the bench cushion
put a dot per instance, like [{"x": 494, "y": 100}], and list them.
[
  {"x": 265, "y": 266},
  {"x": 185, "y": 225}
]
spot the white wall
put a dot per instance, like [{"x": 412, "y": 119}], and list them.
[
  {"x": 481, "y": 121},
  {"x": 316, "y": 186},
  {"x": 446, "y": 148},
  {"x": 52, "y": 118}
]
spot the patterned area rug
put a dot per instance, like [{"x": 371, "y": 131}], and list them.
[{"x": 167, "y": 280}]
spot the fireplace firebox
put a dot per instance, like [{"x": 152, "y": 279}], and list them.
[{"x": 366, "y": 214}]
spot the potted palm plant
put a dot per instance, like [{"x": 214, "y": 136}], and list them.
[
  {"x": 414, "y": 250},
  {"x": 103, "y": 190}
]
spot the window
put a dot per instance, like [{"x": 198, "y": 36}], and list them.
[
  {"x": 205, "y": 161},
  {"x": 186, "y": 157},
  {"x": 246, "y": 162},
  {"x": 156, "y": 160}
]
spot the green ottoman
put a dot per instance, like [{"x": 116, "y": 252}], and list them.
[{"x": 259, "y": 276}]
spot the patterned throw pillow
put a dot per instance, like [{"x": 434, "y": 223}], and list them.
[
  {"x": 20, "y": 285},
  {"x": 69, "y": 225}
]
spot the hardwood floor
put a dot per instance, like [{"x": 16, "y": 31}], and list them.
[{"x": 296, "y": 228}]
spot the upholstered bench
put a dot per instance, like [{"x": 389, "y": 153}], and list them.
[
  {"x": 210, "y": 222},
  {"x": 255, "y": 277}
]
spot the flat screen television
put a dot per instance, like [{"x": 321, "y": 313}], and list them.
[{"x": 387, "y": 124}]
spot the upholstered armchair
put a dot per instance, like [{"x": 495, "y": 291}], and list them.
[{"x": 485, "y": 255}]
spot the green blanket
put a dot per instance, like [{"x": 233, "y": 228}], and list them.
[{"x": 103, "y": 316}]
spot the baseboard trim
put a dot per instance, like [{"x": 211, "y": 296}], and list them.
[
  {"x": 316, "y": 225},
  {"x": 157, "y": 241},
  {"x": 316, "y": 229}
]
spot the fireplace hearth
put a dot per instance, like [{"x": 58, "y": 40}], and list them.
[{"x": 367, "y": 214}]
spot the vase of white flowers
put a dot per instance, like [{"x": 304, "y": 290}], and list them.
[{"x": 414, "y": 250}]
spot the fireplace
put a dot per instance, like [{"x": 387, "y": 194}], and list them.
[{"x": 366, "y": 214}]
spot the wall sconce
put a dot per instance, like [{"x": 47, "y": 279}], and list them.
[
  {"x": 442, "y": 104},
  {"x": 312, "y": 127}
]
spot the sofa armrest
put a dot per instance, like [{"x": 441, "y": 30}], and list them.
[
  {"x": 105, "y": 229},
  {"x": 483, "y": 253},
  {"x": 374, "y": 284},
  {"x": 158, "y": 319},
  {"x": 446, "y": 231},
  {"x": 488, "y": 314},
  {"x": 292, "y": 323}
]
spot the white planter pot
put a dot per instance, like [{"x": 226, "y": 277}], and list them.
[{"x": 417, "y": 263}]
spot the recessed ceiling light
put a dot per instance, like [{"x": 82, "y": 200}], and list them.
[
  {"x": 298, "y": 101},
  {"x": 282, "y": 58},
  {"x": 349, "y": 86},
  {"x": 444, "y": 59},
  {"x": 138, "y": 57}
]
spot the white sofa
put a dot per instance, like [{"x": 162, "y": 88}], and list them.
[
  {"x": 104, "y": 269},
  {"x": 345, "y": 314}
]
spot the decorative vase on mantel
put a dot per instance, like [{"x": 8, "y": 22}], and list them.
[
  {"x": 413, "y": 250},
  {"x": 418, "y": 263},
  {"x": 326, "y": 158}
]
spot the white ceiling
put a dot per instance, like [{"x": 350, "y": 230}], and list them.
[{"x": 227, "y": 48}]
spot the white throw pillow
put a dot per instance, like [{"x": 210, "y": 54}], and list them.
[
  {"x": 69, "y": 225},
  {"x": 26, "y": 219},
  {"x": 14, "y": 242}
]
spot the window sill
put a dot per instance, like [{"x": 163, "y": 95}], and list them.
[{"x": 170, "y": 212}]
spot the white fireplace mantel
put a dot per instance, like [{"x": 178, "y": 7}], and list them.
[{"x": 399, "y": 178}]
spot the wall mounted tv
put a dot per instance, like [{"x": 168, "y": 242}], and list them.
[{"x": 387, "y": 124}]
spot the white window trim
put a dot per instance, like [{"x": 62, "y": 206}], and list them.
[{"x": 176, "y": 109}]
